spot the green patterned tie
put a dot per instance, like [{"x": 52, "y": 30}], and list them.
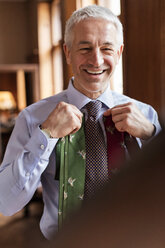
[{"x": 70, "y": 153}]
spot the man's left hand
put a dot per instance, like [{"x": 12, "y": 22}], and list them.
[{"x": 128, "y": 118}]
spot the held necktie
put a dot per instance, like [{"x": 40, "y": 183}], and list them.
[
  {"x": 96, "y": 173},
  {"x": 117, "y": 144},
  {"x": 70, "y": 162},
  {"x": 73, "y": 151}
]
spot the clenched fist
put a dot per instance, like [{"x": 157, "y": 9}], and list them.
[{"x": 65, "y": 119}]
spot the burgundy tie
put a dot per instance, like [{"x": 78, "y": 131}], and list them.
[{"x": 117, "y": 143}]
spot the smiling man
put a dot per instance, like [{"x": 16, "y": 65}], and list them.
[
  {"x": 70, "y": 142},
  {"x": 93, "y": 55}
]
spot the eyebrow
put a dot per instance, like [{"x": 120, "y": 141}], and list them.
[
  {"x": 108, "y": 43},
  {"x": 84, "y": 42}
]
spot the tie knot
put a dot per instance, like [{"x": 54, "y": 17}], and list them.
[{"x": 93, "y": 108}]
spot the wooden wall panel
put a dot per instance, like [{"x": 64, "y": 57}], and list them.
[
  {"x": 67, "y": 7},
  {"x": 18, "y": 28},
  {"x": 162, "y": 37},
  {"x": 143, "y": 59},
  {"x": 14, "y": 46}
]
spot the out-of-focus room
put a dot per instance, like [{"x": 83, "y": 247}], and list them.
[{"x": 33, "y": 66}]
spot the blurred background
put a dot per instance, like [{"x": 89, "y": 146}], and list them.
[{"x": 32, "y": 65}]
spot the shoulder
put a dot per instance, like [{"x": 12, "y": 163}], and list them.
[
  {"x": 146, "y": 108},
  {"x": 121, "y": 99}
]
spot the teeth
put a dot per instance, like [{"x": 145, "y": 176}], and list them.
[{"x": 94, "y": 72}]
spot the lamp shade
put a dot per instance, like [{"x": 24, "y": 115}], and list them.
[{"x": 7, "y": 101}]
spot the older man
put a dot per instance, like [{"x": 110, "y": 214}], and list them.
[{"x": 63, "y": 141}]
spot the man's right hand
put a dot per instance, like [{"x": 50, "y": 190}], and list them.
[{"x": 65, "y": 119}]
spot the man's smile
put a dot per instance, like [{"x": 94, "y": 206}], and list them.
[{"x": 94, "y": 72}]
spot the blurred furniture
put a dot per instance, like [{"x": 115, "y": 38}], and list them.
[
  {"x": 19, "y": 87},
  {"x": 8, "y": 114}
]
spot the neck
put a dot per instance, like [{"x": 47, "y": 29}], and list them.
[{"x": 93, "y": 95}]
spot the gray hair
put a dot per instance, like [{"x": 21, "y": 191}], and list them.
[{"x": 93, "y": 11}]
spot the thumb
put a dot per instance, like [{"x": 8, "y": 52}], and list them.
[{"x": 107, "y": 112}]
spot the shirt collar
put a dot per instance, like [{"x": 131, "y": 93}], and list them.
[{"x": 80, "y": 100}]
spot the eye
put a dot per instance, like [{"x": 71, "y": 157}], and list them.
[
  {"x": 108, "y": 50},
  {"x": 85, "y": 49}
]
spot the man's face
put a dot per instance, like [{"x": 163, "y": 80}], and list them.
[{"x": 93, "y": 55}]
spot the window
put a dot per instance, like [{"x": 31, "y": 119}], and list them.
[
  {"x": 50, "y": 48},
  {"x": 57, "y": 47},
  {"x": 45, "y": 47},
  {"x": 117, "y": 78}
]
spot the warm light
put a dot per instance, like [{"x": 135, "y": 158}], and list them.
[
  {"x": 45, "y": 46},
  {"x": 7, "y": 101},
  {"x": 57, "y": 72},
  {"x": 83, "y": 3},
  {"x": 113, "y": 5},
  {"x": 21, "y": 90}
]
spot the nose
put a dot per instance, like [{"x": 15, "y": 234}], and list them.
[{"x": 96, "y": 58}]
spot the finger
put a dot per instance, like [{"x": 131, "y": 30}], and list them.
[
  {"x": 123, "y": 105},
  {"x": 121, "y": 109},
  {"x": 118, "y": 109},
  {"x": 118, "y": 117},
  {"x": 69, "y": 108},
  {"x": 74, "y": 131},
  {"x": 119, "y": 126},
  {"x": 77, "y": 112},
  {"x": 107, "y": 112},
  {"x": 77, "y": 125}
]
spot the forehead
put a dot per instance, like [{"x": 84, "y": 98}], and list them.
[{"x": 93, "y": 29}]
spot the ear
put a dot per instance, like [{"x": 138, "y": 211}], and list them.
[
  {"x": 119, "y": 52},
  {"x": 67, "y": 54}
]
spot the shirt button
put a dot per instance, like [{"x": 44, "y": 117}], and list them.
[
  {"x": 27, "y": 174},
  {"x": 42, "y": 147}
]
